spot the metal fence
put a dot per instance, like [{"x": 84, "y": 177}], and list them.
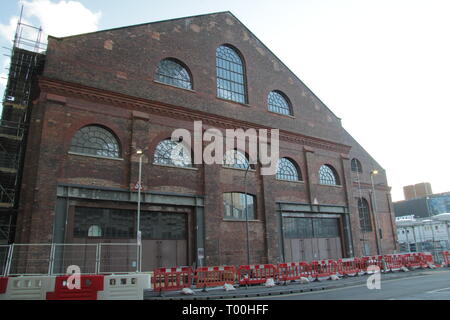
[
  {"x": 54, "y": 259},
  {"x": 436, "y": 248}
]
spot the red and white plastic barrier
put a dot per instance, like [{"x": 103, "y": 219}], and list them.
[
  {"x": 323, "y": 269},
  {"x": 26, "y": 287},
  {"x": 124, "y": 287},
  {"x": 168, "y": 279},
  {"x": 348, "y": 266},
  {"x": 256, "y": 274},
  {"x": 293, "y": 271},
  {"x": 215, "y": 276},
  {"x": 90, "y": 285},
  {"x": 394, "y": 262}
]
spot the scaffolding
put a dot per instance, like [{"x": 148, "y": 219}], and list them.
[{"x": 27, "y": 57}]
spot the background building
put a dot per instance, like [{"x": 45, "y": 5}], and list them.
[
  {"x": 423, "y": 207},
  {"x": 418, "y": 190},
  {"x": 424, "y": 234},
  {"x": 98, "y": 98}
]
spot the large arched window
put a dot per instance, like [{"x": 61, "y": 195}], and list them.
[
  {"x": 230, "y": 75},
  {"x": 364, "y": 215},
  {"x": 172, "y": 153},
  {"x": 236, "y": 159},
  {"x": 356, "y": 165},
  {"x": 95, "y": 140},
  {"x": 277, "y": 102},
  {"x": 287, "y": 170},
  {"x": 172, "y": 72},
  {"x": 327, "y": 175}
]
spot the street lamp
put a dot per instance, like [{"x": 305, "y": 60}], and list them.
[
  {"x": 377, "y": 231},
  {"x": 140, "y": 153}
]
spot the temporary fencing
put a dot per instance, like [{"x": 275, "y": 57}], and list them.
[
  {"x": 124, "y": 287},
  {"x": 215, "y": 276},
  {"x": 323, "y": 269},
  {"x": 414, "y": 261},
  {"x": 293, "y": 271},
  {"x": 348, "y": 266},
  {"x": 167, "y": 279},
  {"x": 256, "y": 274},
  {"x": 27, "y": 288},
  {"x": 90, "y": 285},
  {"x": 445, "y": 258},
  {"x": 394, "y": 262}
]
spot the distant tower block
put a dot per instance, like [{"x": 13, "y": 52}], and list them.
[{"x": 418, "y": 190}]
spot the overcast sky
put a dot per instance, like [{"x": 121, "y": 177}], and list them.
[{"x": 382, "y": 66}]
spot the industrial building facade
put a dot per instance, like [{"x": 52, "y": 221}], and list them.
[{"x": 103, "y": 96}]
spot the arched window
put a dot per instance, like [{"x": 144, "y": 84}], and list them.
[
  {"x": 364, "y": 215},
  {"x": 172, "y": 153},
  {"x": 230, "y": 75},
  {"x": 236, "y": 159},
  {"x": 278, "y": 103},
  {"x": 95, "y": 140},
  {"x": 286, "y": 170},
  {"x": 95, "y": 231},
  {"x": 356, "y": 165},
  {"x": 327, "y": 175},
  {"x": 171, "y": 72}
]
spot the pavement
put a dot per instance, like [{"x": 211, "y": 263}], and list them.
[{"x": 292, "y": 288}]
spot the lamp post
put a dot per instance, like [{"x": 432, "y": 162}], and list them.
[
  {"x": 140, "y": 153},
  {"x": 377, "y": 231}
]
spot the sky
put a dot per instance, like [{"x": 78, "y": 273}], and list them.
[{"x": 382, "y": 66}]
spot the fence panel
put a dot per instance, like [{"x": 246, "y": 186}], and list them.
[
  {"x": 82, "y": 255},
  {"x": 30, "y": 259},
  {"x": 117, "y": 257},
  {"x": 4, "y": 251}
]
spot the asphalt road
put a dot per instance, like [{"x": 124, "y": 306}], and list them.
[{"x": 430, "y": 286}]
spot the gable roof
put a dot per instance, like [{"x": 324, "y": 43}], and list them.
[{"x": 210, "y": 14}]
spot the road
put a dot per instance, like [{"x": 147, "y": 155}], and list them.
[{"x": 430, "y": 286}]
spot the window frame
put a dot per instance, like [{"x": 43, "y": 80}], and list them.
[
  {"x": 183, "y": 66},
  {"x": 230, "y": 81},
  {"x": 284, "y": 97},
  {"x": 172, "y": 164},
  {"x": 242, "y": 218},
  {"x": 332, "y": 170},
  {"x": 79, "y": 135},
  {"x": 299, "y": 177}
]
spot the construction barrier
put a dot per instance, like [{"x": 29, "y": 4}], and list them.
[
  {"x": 367, "y": 261},
  {"x": 293, "y": 271},
  {"x": 348, "y": 266},
  {"x": 124, "y": 287},
  {"x": 323, "y": 269},
  {"x": 394, "y": 262},
  {"x": 90, "y": 285},
  {"x": 414, "y": 261},
  {"x": 28, "y": 288},
  {"x": 445, "y": 258},
  {"x": 256, "y": 274},
  {"x": 3, "y": 285},
  {"x": 427, "y": 258},
  {"x": 215, "y": 276},
  {"x": 167, "y": 279}
]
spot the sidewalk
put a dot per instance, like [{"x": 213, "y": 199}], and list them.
[{"x": 279, "y": 289}]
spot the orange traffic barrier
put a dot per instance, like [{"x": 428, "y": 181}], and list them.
[
  {"x": 166, "y": 279},
  {"x": 215, "y": 276}
]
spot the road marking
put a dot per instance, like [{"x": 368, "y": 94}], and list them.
[
  {"x": 326, "y": 290},
  {"x": 438, "y": 290}
]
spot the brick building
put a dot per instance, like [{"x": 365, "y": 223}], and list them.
[{"x": 104, "y": 95}]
